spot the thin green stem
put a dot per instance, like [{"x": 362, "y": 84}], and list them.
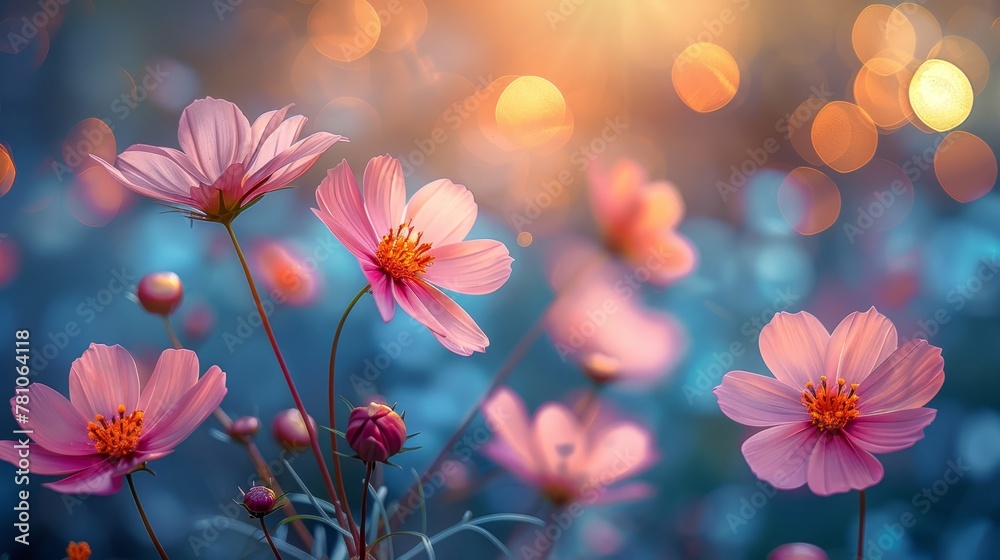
[
  {"x": 332, "y": 400},
  {"x": 861, "y": 528},
  {"x": 145, "y": 520},
  {"x": 313, "y": 440},
  {"x": 267, "y": 535},
  {"x": 170, "y": 332},
  {"x": 369, "y": 469}
]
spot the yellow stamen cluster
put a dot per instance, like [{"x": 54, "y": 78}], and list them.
[
  {"x": 78, "y": 551},
  {"x": 829, "y": 408},
  {"x": 400, "y": 253},
  {"x": 119, "y": 437}
]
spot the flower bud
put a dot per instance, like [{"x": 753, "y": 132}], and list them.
[
  {"x": 797, "y": 551},
  {"x": 375, "y": 432},
  {"x": 290, "y": 431},
  {"x": 244, "y": 427},
  {"x": 259, "y": 500},
  {"x": 600, "y": 368},
  {"x": 160, "y": 292}
]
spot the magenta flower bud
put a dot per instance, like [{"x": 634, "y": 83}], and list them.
[
  {"x": 797, "y": 551},
  {"x": 160, "y": 292},
  {"x": 244, "y": 427},
  {"x": 290, "y": 431},
  {"x": 259, "y": 500},
  {"x": 375, "y": 432}
]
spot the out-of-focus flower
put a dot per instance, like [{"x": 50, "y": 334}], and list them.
[
  {"x": 406, "y": 249},
  {"x": 834, "y": 400},
  {"x": 160, "y": 292},
  {"x": 259, "y": 501},
  {"x": 565, "y": 459},
  {"x": 244, "y": 428},
  {"x": 78, "y": 551},
  {"x": 225, "y": 164},
  {"x": 639, "y": 220},
  {"x": 108, "y": 428},
  {"x": 797, "y": 551},
  {"x": 290, "y": 431},
  {"x": 375, "y": 432}
]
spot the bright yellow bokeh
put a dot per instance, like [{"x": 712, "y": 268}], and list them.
[
  {"x": 941, "y": 95},
  {"x": 705, "y": 76},
  {"x": 530, "y": 111}
]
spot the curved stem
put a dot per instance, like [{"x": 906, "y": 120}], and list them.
[
  {"x": 861, "y": 528},
  {"x": 267, "y": 535},
  {"x": 369, "y": 469},
  {"x": 170, "y": 332},
  {"x": 313, "y": 440},
  {"x": 145, "y": 520},
  {"x": 332, "y": 399}
]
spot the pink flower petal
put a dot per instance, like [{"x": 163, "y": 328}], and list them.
[
  {"x": 780, "y": 455},
  {"x": 102, "y": 479},
  {"x": 449, "y": 323},
  {"x": 215, "y": 134},
  {"x": 892, "y": 431},
  {"x": 507, "y": 418},
  {"x": 57, "y": 425},
  {"x": 560, "y": 442},
  {"x": 909, "y": 378},
  {"x": 176, "y": 371},
  {"x": 47, "y": 462},
  {"x": 613, "y": 192},
  {"x": 283, "y": 136},
  {"x": 756, "y": 400},
  {"x": 385, "y": 193},
  {"x": 838, "y": 465},
  {"x": 187, "y": 413},
  {"x": 263, "y": 127},
  {"x": 288, "y": 165},
  {"x": 621, "y": 493},
  {"x": 859, "y": 343},
  {"x": 618, "y": 453},
  {"x": 443, "y": 211},
  {"x": 381, "y": 290},
  {"x": 793, "y": 347},
  {"x": 341, "y": 210},
  {"x": 667, "y": 256},
  {"x": 474, "y": 267},
  {"x": 501, "y": 453},
  {"x": 659, "y": 207},
  {"x": 159, "y": 173},
  {"x": 101, "y": 379}
]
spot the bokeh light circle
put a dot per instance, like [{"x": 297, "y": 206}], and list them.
[
  {"x": 965, "y": 166},
  {"x": 705, "y": 77},
  {"x": 89, "y": 136},
  {"x": 809, "y": 200},
  {"x": 344, "y": 30},
  {"x": 940, "y": 94},
  {"x": 967, "y": 56},
  {"x": 880, "y": 96},
  {"x": 800, "y": 125},
  {"x": 7, "y": 171},
  {"x": 530, "y": 111},
  {"x": 524, "y": 239},
  {"x": 403, "y": 23},
  {"x": 883, "y": 38},
  {"x": 844, "y": 136},
  {"x": 95, "y": 197}
]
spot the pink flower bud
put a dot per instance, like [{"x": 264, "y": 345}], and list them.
[
  {"x": 244, "y": 427},
  {"x": 290, "y": 431},
  {"x": 797, "y": 551},
  {"x": 160, "y": 292},
  {"x": 259, "y": 500},
  {"x": 375, "y": 432}
]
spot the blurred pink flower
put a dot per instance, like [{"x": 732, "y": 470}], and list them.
[
  {"x": 639, "y": 220},
  {"x": 836, "y": 400},
  {"x": 566, "y": 459},
  {"x": 406, "y": 249},
  {"x": 108, "y": 428},
  {"x": 797, "y": 551},
  {"x": 226, "y": 164}
]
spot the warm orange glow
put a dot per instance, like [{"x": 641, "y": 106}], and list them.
[
  {"x": 967, "y": 56},
  {"x": 925, "y": 26},
  {"x": 831, "y": 408},
  {"x": 705, "y": 76},
  {"x": 809, "y": 200},
  {"x": 941, "y": 95},
  {"x": 524, "y": 239},
  {"x": 800, "y": 129},
  {"x": 880, "y": 97},
  {"x": 403, "y": 23},
  {"x": 286, "y": 274},
  {"x": 965, "y": 166},
  {"x": 89, "y": 136},
  {"x": 95, "y": 198},
  {"x": 7, "y": 171},
  {"x": 844, "y": 136},
  {"x": 344, "y": 30},
  {"x": 530, "y": 111},
  {"x": 883, "y": 38}
]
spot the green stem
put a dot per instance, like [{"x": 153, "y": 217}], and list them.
[
  {"x": 332, "y": 400},
  {"x": 313, "y": 440},
  {"x": 861, "y": 528},
  {"x": 170, "y": 332},
  {"x": 369, "y": 469},
  {"x": 267, "y": 535},
  {"x": 145, "y": 520}
]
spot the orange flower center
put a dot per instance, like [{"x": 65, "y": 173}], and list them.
[
  {"x": 119, "y": 437},
  {"x": 830, "y": 408},
  {"x": 400, "y": 253},
  {"x": 78, "y": 551}
]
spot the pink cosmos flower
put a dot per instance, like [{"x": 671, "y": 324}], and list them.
[
  {"x": 407, "y": 248},
  {"x": 566, "y": 459},
  {"x": 225, "y": 164},
  {"x": 834, "y": 400},
  {"x": 109, "y": 428},
  {"x": 639, "y": 220}
]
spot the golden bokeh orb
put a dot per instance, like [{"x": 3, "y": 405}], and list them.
[
  {"x": 705, "y": 76},
  {"x": 941, "y": 95},
  {"x": 844, "y": 136},
  {"x": 530, "y": 111},
  {"x": 7, "y": 171}
]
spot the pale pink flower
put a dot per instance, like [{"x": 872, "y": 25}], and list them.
[
  {"x": 405, "y": 249},
  {"x": 834, "y": 400},
  {"x": 226, "y": 164},
  {"x": 109, "y": 428},
  {"x": 639, "y": 220},
  {"x": 567, "y": 459}
]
